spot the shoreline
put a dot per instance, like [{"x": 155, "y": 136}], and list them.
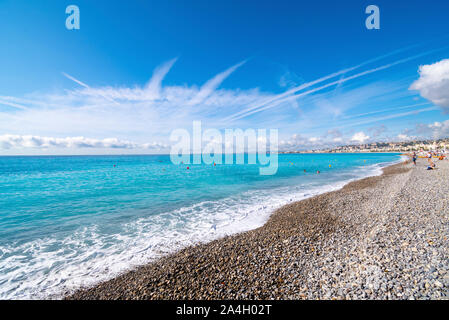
[
  {"x": 249, "y": 214},
  {"x": 283, "y": 259}
]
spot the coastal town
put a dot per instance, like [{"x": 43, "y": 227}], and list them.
[{"x": 407, "y": 146}]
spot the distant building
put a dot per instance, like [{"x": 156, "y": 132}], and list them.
[{"x": 408, "y": 146}]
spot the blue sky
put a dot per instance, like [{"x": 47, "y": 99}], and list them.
[{"x": 137, "y": 70}]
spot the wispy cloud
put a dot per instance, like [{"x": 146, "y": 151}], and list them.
[
  {"x": 386, "y": 110},
  {"x": 291, "y": 94},
  {"x": 75, "y": 80},
  {"x": 392, "y": 116},
  {"x": 86, "y": 86},
  {"x": 153, "y": 88},
  {"x": 213, "y": 84},
  {"x": 14, "y": 105},
  {"x": 151, "y": 111}
]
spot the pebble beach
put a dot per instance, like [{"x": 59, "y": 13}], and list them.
[{"x": 382, "y": 237}]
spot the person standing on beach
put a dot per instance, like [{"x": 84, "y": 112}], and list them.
[{"x": 414, "y": 158}]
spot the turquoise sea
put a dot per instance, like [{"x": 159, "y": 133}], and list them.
[{"x": 71, "y": 221}]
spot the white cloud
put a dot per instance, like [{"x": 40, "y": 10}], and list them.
[
  {"x": 136, "y": 113},
  {"x": 296, "y": 142},
  {"x": 403, "y": 137},
  {"x": 434, "y": 130},
  {"x": 299, "y": 142},
  {"x": 331, "y": 139},
  {"x": 377, "y": 130},
  {"x": 9, "y": 141},
  {"x": 439, "y": 129},
  {"x": 433, "y": 83},
  {"x": 151, "y": 111},
  {"x": 335, "y": 133},
  {"x": 360, "y": 137}
]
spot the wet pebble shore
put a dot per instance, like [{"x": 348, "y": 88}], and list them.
[{"x": 382, "y": 237}]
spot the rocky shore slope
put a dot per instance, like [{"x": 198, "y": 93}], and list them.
[{"x": 383, "y": 237}]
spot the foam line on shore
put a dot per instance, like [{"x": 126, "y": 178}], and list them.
[
  {"x": 368, "y": 240},
  {"x": 146, "y": 240}
]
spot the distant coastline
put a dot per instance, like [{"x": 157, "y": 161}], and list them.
[
  {"x": 383, "y": 147},
  {"x": 320, "y": 151}
]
